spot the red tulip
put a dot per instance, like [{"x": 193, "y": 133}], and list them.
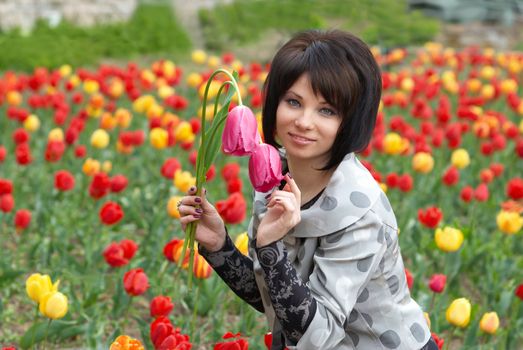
[
  {"x": 240, "y": 134},
  {"x": 23, "y": 154},
  {"x": 21, "y": 136},
  {"x": 165, "y": 337},
  {"x": 451, "y": 176},
  {"x": 80, "y": 151},
  {"x": 234, "y": 342},
  {"x": 7, "y": 203},
  {"x": 6, "y": 186},
  {"x": 234, "y": 185},
  {"x": 467, "y": 193},
  {"x": 168, "y": 249},
  {"x": 409, "y": 277},
  {"x": 519, "y": 291},
  {"x": 437, "y": 283},
  {"x": 438, "y": 340},
  {"x": 100, "y": 185},
  {"x": 22, "y": 219},
  {"x": 54, "y": 151},
  {"x": 481, "y": 193},
  {"x": 63, "y": 180},
  {"x": 497, "y": 169},
  {"x": 129, "y": 248},
  {"x": 161, "y": 306},
  {"x": 169, "y": 167},
  {"x": 514, "y": 188},
  {"x": 405, "y": 183},
  {"x": 114, "y": 255},
  {"x": 230, "y": 171},
  {"x": 265, "y": 168},
  {"x": 111, "y": 213},
  {"x": 430, "y": 217},
  {"x": 211, "y": 173},
  {"x": 392, "y": 180},
  {"x": 232, "y": 209},
  {"x": 3, "y": 153},
  {"x": 118, "y": 183},
  {"x": 135, "y": 282}
]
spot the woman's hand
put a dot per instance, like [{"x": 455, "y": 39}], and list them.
[
  {"x": 283, "y": 213},
  {"x": 210, "y": 229}
]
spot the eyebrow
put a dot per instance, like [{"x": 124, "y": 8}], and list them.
[{"x": 301, "y": 98}]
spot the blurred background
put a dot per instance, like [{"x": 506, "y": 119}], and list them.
[{"x": 50, "y": 33}]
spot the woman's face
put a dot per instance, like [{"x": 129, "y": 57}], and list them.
[{"x": 306, "y": 125}]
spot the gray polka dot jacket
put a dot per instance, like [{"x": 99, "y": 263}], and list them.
[{"x": 337, "y": 279}]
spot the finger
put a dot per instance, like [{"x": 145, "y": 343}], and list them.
[
  {"x": 286, "y": 203},
  {"x": 185, "y": 220},
  {"x": 192, "y": 190},
  {"x": 293, "y": 187},
  {"x": 205, "y": 204}
]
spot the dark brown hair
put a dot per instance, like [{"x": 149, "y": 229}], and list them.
[{"x": 342, "y": 69}]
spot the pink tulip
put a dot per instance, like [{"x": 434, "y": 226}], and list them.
[
  {"x": 240, "y": 135},
  {"x": 265, "y": 168}
]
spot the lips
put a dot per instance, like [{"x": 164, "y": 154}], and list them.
[{"x": 301, "y": 137}]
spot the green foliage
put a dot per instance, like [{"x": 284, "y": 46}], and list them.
[
  {"x": 383, "y": 22},
  {"x": 152, "y": 29}
]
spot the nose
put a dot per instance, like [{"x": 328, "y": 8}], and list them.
[{"x": 305, "y": 120}]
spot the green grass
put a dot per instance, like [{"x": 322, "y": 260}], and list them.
[
  {"x": 383, "y": 22},
  {"x": 152, "y": 29}
]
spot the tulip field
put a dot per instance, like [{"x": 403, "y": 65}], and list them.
[{"x": 93, "y": 162}]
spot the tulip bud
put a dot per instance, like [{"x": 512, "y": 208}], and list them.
[
  {"x": 489, "y": 322},
  {"x": 437, "y": 283},
  {"x": 38, "y": 285},
  {"x": 240, "y": 135},
  {"x": 458, "y": 313},
  {"x": 265, "y": 168},
  {"x": 242, "y": 243},
  {"x": 448, "y": 239},
  {"x": 100, "y": 139},
  {"x": 53, "y": 305},
  {"x": 460, "y": 158}
]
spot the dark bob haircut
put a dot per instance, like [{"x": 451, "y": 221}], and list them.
[{"x": 342, "y": 69}]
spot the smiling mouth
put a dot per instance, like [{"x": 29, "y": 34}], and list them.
[{"x": 301, "y": 138}]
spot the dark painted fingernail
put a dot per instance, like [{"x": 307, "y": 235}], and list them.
[
  {"x": 198, "y": 200},
  {"x": 289, "y": 175},
  {"x": 268, "y": 196},
  {"x": 192, "y": 189},
  {"x": 198, "y": 210},
  {"x": 197, "y": 216}
]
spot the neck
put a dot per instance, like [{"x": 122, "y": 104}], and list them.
[{"x": 309, "y": 180}]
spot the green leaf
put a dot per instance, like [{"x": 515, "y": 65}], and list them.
[{"x": 55, "y": 330}]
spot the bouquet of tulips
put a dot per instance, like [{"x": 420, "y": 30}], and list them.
[{"x": 238, "y": 129}]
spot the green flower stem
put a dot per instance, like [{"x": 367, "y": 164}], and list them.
[
  {"x": 200, "y": 162},
  {"x": 195, "y": 310},
  {"x": 47, "y": 332}
]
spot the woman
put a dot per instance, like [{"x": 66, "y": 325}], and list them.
[{"x": 324, "y": 262}]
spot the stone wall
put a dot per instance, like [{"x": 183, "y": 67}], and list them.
[{"x": 24, "y": 13}]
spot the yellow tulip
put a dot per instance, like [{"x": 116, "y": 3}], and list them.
[
  {"x": 448, "y": 239},
  {"x": 123, "y": 117},
  {"x": 460, "y": 158},
  {"x": 489, "y": 322},
  {"x": 65, "y": 70},
  {"x": 194, "y": 80},
  {"x": 394, "y": 144},
  {"x": 94, "y": 112},
  {"x": 509, "y": 222},
  {"x": 384, "y": 187},
  {"x": 91, "y": 167},
  {"x": 142, "y": 103},
  {"x": 148, "y": 76},
  {"x": 242, "y": 243},
  {"x": 422, "y": 162},
  {"x": 56, "y": 134},
  {"x": 169, "y": 69},
  {"x": 91, "y": 86},
  {"x": 198, "y": 56},
  {"x": 53, "y": 305},
  {"x": 172, "y": 207},
  {"x": 214, "y": 87},
  {"x": 124, "y": 342},
  {"x": 183, "y": 132},
  {"x": 107, "y": 166},
  {"x": 32, "y": 123},
  {"x": 116, "y": 88},
  {"x": 487, "y": 72},
  {"x": 38, "y": 285},
  {"x": 213, "y": 62},
  {"x": 407, "y": 84},
  {"x": 458, "y": 313},
  {"x": 508, "y": 86},
  {"x": 154, "y": 111},
  {"x": 474, "y": 85},
  {"x": 183, "y": 180},
  {"x": 74, "y": 80},
  {"x": 107, "y": 121},
  {"x": 158, "y": 138},
  {"x": 165, "y": 91},
  {"x": 14, "y": 98},
  {"x": 100, "y": 139},
  {"x": 487, "y": 91}
]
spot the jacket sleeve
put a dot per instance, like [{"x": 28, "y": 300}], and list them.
[
  {"x": 236, "y": 270},
  {"x": 344, "y": 262}
]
